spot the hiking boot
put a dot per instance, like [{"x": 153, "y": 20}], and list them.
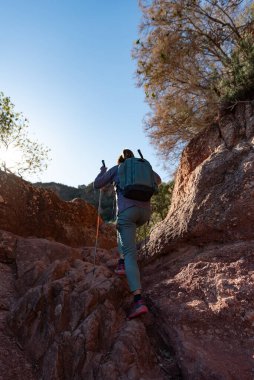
[
  {"x": 137, "y": 309},
  {"x": 120, "y": 270}
]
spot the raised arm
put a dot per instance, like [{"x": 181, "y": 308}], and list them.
[{"x": 105, "y": 177}]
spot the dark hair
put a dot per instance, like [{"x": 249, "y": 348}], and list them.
[{"x": 127, "y": 153}]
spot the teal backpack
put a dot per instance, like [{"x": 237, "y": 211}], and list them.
[{"x": 137, "y": 179}]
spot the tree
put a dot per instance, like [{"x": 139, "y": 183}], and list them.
[
  {"x": 160, "y": 204},
  {"x": 27, "y": 156},
  {"x": 191, "y": 56}
]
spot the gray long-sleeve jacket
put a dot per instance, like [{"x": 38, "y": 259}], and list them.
[{"x": 111, "y": 176}]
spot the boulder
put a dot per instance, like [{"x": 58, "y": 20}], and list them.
[
  {"x": 27, "y": 210},
  {"x": 213, "y": 197},
  {"x": 203, "y": 300}
]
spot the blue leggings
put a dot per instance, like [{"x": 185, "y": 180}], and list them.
[{"x": 127, "y": 222}]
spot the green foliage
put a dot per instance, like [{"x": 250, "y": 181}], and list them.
[
  {"x": 160, "y": 204},
  {"x": 191, "y": 56},
  {"x": 107, "y": 200},
  {"x": 18, "y": 154},
  {"x": 64, "y": 192},
  {"x": 238, "y": 79}
]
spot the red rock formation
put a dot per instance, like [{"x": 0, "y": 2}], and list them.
[
  {"x": 200, "y": 274},
  {"x": 13, "y": 361},
  {"x": 31, "y": 211},
  {"x": 203, "y": 300},
  {"x": 213, "y": 199},
  {"x": 71, "y": 321}
]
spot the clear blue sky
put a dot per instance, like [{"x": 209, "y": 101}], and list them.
[{"x": 67, "y": 66}]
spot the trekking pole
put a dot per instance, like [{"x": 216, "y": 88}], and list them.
[
  {"x": 141, "y": 155},
  {"x": 98, "y": 225}
]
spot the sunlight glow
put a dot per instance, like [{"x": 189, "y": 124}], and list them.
[{"x": 10, "y": 158}]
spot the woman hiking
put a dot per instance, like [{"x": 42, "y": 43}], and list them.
[{"x": 130, "y": 215}]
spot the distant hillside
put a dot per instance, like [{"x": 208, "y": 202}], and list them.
[
  {"x": 67, "y": 193},
  {"x": 64, "y": 192}
]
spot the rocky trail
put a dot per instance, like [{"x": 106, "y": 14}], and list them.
[{"x": 70, "y": 323}]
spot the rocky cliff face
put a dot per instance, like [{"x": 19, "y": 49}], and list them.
[
  {"x": 214, "y": 189},
  {"x": 63, "y": 311},
  {"x": 201, "y": 256},
  {"x": 31, "y": 211}
]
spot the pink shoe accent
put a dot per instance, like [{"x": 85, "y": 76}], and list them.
[
  {"x": 138, "y": 308},
  {"x": 120, "y": 270}
]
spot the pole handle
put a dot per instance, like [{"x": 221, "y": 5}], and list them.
[
  {"x": 141, "y": 155},
  {"x": 103, "y": 163}
]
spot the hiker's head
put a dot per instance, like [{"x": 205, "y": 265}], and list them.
[{"x": 127, "y": 153}]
